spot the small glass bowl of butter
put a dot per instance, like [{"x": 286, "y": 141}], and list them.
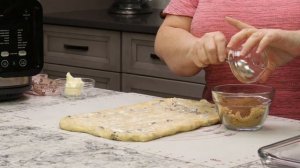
[{"x": 79, "y": 88}]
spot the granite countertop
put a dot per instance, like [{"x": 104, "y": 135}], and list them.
[
  {"x": 31, "y": 138},
  {"x": 102, "y": 19}
]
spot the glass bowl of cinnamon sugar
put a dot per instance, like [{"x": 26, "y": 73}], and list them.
[{"x": 243, "y": 107}]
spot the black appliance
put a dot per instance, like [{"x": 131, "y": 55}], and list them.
[
  {"x": 130, "y": 7},
  {"x": 21, "y": 45}
]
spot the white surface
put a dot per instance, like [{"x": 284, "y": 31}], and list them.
[{"x": 209, "y": 146}]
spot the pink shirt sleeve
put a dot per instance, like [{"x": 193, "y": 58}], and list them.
[{"x": 181, "y": 7}]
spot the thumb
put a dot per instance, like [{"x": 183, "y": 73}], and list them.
[
  {"x": 267, "y": 73},
  {"x": 237, "y": 23},
  {"x": 264, "y": 77}
]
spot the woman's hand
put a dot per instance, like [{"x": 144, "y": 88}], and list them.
[
  {"x": 209, "y": 49},
  {"x": 281, "y": 45},
  {"x": 184, "y": 53}
]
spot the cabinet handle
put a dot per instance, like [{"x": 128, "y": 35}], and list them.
[
  {"x": 154, "y": 56},
  {"x": 75, "y": 47}
]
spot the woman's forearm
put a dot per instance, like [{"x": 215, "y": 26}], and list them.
[{"x": 172, "y": 45}]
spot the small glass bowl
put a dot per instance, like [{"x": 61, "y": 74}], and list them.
[
  {"x": 80, "y": 93},
  {"x": 249, "y": 68},
  {"x": 243, "y": 106}
]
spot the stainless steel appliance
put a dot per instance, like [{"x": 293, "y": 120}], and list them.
[
  {"x": 131, "y": 7},
  {"x": 21, "y": 45}
]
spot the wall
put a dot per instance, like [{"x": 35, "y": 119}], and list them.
[
  {"x": 51, "y": 6},
  {"x": 159, "y": 3}
]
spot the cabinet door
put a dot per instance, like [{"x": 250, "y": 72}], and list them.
[
  {"x": 104, "y": 79},
  {"x": 161, "y": 87},
  {"x": 82, "y": 47},
  {"x": 138, "y": 58}
]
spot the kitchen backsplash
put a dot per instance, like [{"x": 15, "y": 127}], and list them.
[{"x": 51, "y": 6}]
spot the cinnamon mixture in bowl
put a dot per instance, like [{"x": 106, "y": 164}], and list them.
[{"x": 243, "y": 107}]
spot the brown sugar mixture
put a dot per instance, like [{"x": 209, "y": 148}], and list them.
[{"x": 243, "y": 111}]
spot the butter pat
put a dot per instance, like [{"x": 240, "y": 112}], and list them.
[{"x": 73, "y": 86}]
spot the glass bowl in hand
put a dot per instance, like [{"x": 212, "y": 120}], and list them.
[
  {"x": 243, "y": 106},
  {"x": 248, "y": 68}
]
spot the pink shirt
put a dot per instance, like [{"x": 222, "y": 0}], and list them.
[{"x": 208, "y": 16}]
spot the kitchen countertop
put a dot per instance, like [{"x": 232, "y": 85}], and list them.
[
  {"x": 101, "y": 19},
  {"x": 30, "y": 137}
]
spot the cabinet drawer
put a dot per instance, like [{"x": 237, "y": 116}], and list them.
[
  {"x": 104, "y": 79},
  {"x": 161, "y": 87},
  {"x": 138, "y": 58},
  {"x": 82, "y": 47}
]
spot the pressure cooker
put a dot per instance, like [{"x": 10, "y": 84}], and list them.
[{"x": 21, "y": 46}]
